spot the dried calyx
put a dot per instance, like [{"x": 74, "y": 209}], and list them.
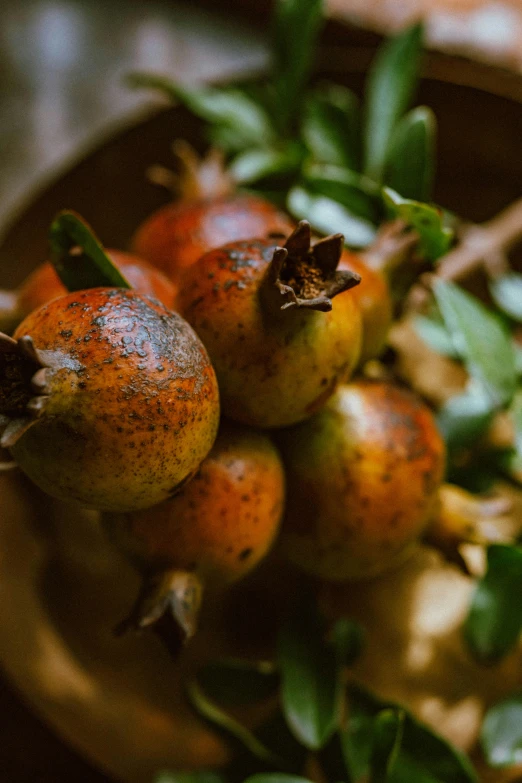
[
  {"x": 306, "y": 276},
  {"x": 197, "y": 177},
  {"x": 23, "y": 387}
]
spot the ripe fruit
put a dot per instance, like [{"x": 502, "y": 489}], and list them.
[
  {"x": 44, "y": 284},
  {"x": 111, "y": 399},
  {"x": 265, "y": 316},
  {"x": 213, "y": 532},
  {"x": 374, "y": 300},
  {"x": 363, "y": 479},
  {"x": 207, "y": 214}
]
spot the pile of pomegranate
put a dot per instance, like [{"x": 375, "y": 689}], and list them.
[{"x": 221, "y": 395}]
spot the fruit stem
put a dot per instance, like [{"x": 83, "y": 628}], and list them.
[
  {"x": 392, "y": 249},
  {"x": 464, "y": 518},
  {"x": 481, "y": 242},
  {"x": 302, "y": 276},
  {"x": 170, "y": 592}
]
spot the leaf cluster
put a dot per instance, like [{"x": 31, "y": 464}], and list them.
[
  {"x": 339, "y": 164},
  {"x": 319, "y": 712}
]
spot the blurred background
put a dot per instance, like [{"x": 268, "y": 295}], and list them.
[{"x": 62, "y": 64}]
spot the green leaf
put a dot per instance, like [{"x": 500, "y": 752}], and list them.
[
  {"x": 435, "y": 334},
  {"x": 411, "y": 159},
  {"x": 88, "y": 265},
  {"x": 348, "y": 641},
  {"x": 388, "y": 728},
  {"x": 330, "y": 126},
  {"x": 501, "y": 735},
  {"x": 255, "y": 164},
  {"x": 391, "y": 83},
  {"x": 230, "y": 107},
  {"x": 354, "y": 191},
  {"x": 423, "y": 756},
  {"x": 310, "y": 677},
  {"x": 189, "y": 777},
  {"x": 236, "y": 681},
  {"x": 296, "y": 25},
  {"x": 330, "y": 217},
  {"x": 464, "y": 418},
  {"x": 518, "y": 357},
  {"x": 229, "y": 725},
  {"x": 511, "y": 459},
  {"x": 507, "y": 294},
  {"x": 276, "y": 777},
  {"x": 494, "y": 622},
  {"x": 427, "y": 220},
  {"x": 481, "y": 339}
]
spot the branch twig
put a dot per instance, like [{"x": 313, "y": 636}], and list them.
[{"x": 483, "y": 242}]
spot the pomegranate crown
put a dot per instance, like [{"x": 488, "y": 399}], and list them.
[
  {"x": 23, "y": 386},
  {"x": 306, "y": 275}
]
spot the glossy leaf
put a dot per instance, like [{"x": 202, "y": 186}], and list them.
[
  {"x": 507, "y": 294},
  {"x": 329, "y": 217},
  {"x": 411, "y": 159},
  {"x": 353, "y": 191},
  {"x": 501, "y": 734},
  {"x": 348, "y": 640},
  {"x": 78, "y": 256},
  {"x": 330, "y": 126},
  {"x": 237, "y": 681},
  {"x": 229, "y": 725},
  {"x": 465, "y": 417},
  {"x": 495, "y": 618},
  {"x": 390, "y": 87},
  {"x": 255, "y": 164},
  {"x": 310, "y": 677},
  {"x": 428, "y": 221},
  {"x": 423, "y": 756},
  {"x": 296, "y": 25},
  {"x": 481, "y": 339},
  {"x": 230, "y": 107},
  {"x": 388, "y": 728},
  {"x": 435, "y": 334}
]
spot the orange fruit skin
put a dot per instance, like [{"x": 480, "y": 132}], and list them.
[
  {"x": 274, "y": 367},
  {"x": 176, "y": 235},
  {"x": 222, "y": 522},
  {"x": 375, "y": 303},
  {"x": 44, "y": 284},
  {"x": 363, "y": 477},
  {"x": 133, "y": 403}
]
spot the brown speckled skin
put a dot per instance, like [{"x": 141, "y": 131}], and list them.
[
  {"x": 374, "y": 300},
  {"x": 274, "y": 368},
  {"x": 133, "y": 409},
  {"x": 222, "y": 523},
  {"x": 175, "y": 236},
  {"x": 44, "y": 284},
  {"x": 363, "y": 479}
]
